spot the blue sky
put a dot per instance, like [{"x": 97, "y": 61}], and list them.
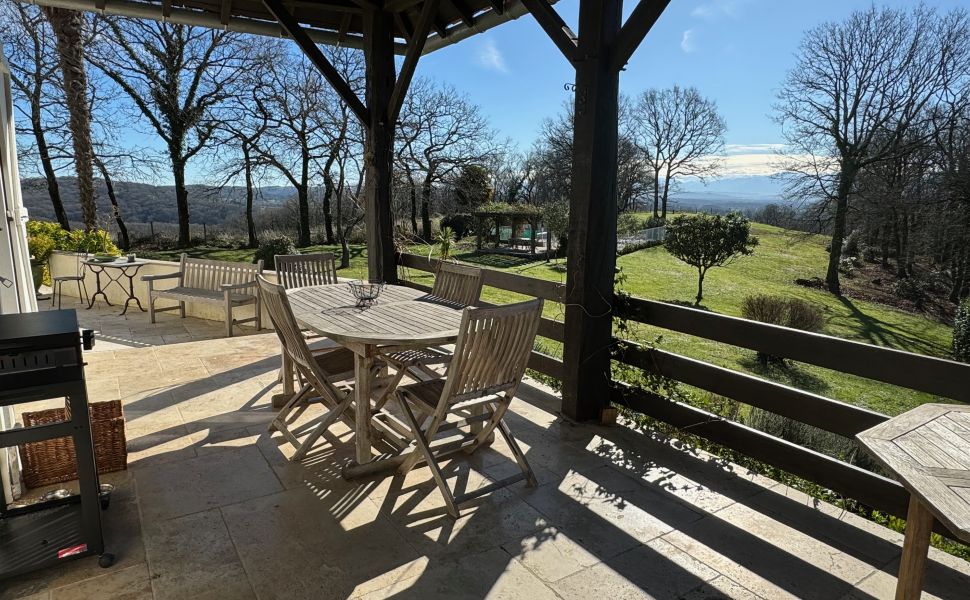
[{"x": 734, "y": 51}]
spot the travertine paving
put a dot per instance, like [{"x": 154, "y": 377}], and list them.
[{"x": 211, "y": 508}]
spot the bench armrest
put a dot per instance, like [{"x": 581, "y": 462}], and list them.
[
  {"x": 237, "y": 286},
  {"x": 157, "y": 277}
]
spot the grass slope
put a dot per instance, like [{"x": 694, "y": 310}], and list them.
[{"x": 777, "y": 262}]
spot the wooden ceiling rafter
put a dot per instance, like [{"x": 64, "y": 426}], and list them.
[
  {"x": 464, "y": 13},
  {"x": 344, "y": 26}
]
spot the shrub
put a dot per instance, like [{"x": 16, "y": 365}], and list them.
[
  {"x": 799, "y": 433},
  {"x": 871, "y": 254},
  {"x": 628, "y": 223},
  {"x": 912, "y": 288},
  {"x": 847, "y": 266},
  {"x": 653, "y": 221},
  {"x": 270, "y": 247},
  {"x": 961, "y": 333},
  {"x": 851, "y": 243},
  {"x": 787, "y": 312},
  {"x": 706, "y": 241},
  {"x": 461, "y": 224}
]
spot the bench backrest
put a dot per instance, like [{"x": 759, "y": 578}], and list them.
[{"x": 204, "y": 274}]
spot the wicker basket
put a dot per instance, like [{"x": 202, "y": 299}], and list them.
[{"x": 53, "y": 461}]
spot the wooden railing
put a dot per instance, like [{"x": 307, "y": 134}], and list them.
[
  {"x": 912, "y": 371},
  {"x": 935, "y": 376},
  {"x": 528, "y": 286}
]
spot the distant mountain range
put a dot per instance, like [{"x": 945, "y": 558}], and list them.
[{"x": 143, "y": 203}]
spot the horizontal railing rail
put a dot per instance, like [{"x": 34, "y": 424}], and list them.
[
  {"x": 927, "y": 374},
  {"x": 520, "y": 284}
]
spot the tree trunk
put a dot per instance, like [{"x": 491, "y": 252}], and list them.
[
  {"x": 700, "y": 286},
  {"x": 426, "y": 209},
  {"x": 846, "y": 180},
  {"x": 327, "y": 213},
  {"x": 656, "y": 194},
  {"x": 902, "y": 258},
  {"x": 68, "y": 27},
  {"x": 181, "y": 201},
  {"x": 53, "y": 189},
  {"x": 414, "y": 207},
  {"x": 303, "y": 199},
  {"x": 663, "y": 199},
  {"x": 253, "y": 241},
  {"x": 115, "y": 209}
]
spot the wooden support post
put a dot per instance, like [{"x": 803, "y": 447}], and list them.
[
  {"x": 592, "y": 215},
  {"x": 379, "y": 150}
]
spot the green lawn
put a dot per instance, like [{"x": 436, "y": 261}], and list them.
[{"x": 777, "y": 262}]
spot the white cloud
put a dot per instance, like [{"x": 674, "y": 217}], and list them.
[
  {"x": 718, "y": 8},
  {"x": 688, "y": 43},
  {"x": 490, "y": 57},
  {"x": 738, "y": 149}
]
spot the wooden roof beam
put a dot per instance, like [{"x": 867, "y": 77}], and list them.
[
  {"x": 404, "y": 24},
  {"x": 415, "y": 49},
  {"x": 554, "y": 26},
  {"x": 313, "y": 52},
  {"x": 344, "y": 26},
  {"x": 225, "y": 12},
  {"x": 463, "y": 11},
  {"x": 498, "y": 6},
  {"x": 637, "y": 26}
]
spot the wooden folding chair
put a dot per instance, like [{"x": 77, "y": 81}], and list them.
[
  {"x": 303, "y": 270},
  {"x": 456, "y": 285},
  {"x": 326, "y": 374},
  {"x": 490, "y": 358}
]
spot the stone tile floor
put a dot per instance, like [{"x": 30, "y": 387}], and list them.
[{"x": 211, "y": 507}]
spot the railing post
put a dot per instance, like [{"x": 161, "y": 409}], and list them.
[{"x": 592, "y": 214}]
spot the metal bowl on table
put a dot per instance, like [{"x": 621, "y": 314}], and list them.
[{"x": 366, "y": 292}]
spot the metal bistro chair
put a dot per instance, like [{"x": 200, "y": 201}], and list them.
[
  {"x": 327, "y": 374},
  {"x": 57, "y": 281},
  {"x": 490, "y": 358},
  {"x": 455, "y": 285},
  {"x": 302, "y": 270}
]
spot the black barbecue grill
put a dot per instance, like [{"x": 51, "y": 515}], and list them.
[{"x": 40, "y": 359}]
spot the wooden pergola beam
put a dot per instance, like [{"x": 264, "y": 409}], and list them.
[
  {"x": 415, "y": 49},
  {"x": 498, "y": 6},
  {"x": 554, "y": 26},
  {"x": 463, "y": 11},
  {"x": 344, "y": 26},
  {"x": 637, "y": 26},
  {"x": 313, "y": 52}
]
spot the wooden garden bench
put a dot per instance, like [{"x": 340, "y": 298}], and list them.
[{"x": 231, "y": 284}]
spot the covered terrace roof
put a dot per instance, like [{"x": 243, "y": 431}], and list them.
[{"x": 335, "y": 22}]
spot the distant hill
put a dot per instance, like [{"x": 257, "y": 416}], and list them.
[{"x": 142, "y": 202}]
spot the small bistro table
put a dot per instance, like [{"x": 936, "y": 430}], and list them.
[
  {"x": 401, "y": 318},
  {"x": 123, "y": 268},
  {"x": 928, "y": 450}
]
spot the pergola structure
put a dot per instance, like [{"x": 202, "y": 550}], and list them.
[{"x": 384, "y": 28}]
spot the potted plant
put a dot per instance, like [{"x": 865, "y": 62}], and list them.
[{"x": 40, "y": 247}]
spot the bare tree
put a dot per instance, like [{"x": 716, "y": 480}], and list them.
[
  {"x": 174, "y": 75},
  {"x": 439, "y": 131},
  {"x": 680, "y": 133},
  {"x": 30, "y": 50},
  {"x": 69, "y": 26},
  {"x": 856, "y": 95}
]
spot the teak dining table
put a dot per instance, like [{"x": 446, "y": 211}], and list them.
[{"x": 400, "y": 318}]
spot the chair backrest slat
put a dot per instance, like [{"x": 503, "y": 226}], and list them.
[
  {"x": 302, "y": 270},
  {"x": 204, "y": 274},
  {"x": 493, "y": 349},
  {"x": 274, "y": 298},
  {"x": 457, "y": 283}
]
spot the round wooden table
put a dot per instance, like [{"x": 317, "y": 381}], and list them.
[{"x": 400, "y": 318}]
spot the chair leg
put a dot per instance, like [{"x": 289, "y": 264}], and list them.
[
  {"x": 84, "y": 286},
  {"x": 530, "y": 476},
  {"x": 151, "y": 308},
  {"x": 422, "y": 445},
  {"x": 61, "y": 295},
  {"x": 228, "y": 320},
  {"x": 328, "y": 420},
  {"x": 259, "y": 315},
  {"x": 181, "y": 309}
]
